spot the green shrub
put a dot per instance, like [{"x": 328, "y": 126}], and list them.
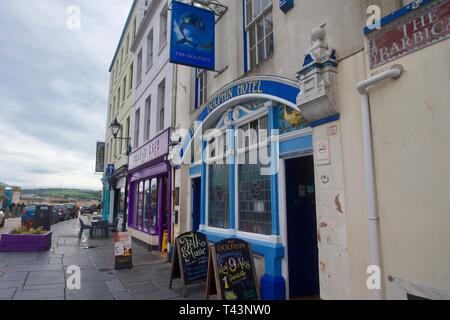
[{"x": 24, "y": 230}]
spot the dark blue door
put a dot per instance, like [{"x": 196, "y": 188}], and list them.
[
  {"x": 196, "y": 198},
  {"x": 302, "y": 228}
]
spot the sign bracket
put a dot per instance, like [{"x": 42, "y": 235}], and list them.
[{"x": 213, "y": 5}]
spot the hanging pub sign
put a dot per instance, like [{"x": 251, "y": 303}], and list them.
[
  {"x": 231, "y": 271},
  {"x": 100, "y": 157},
  {"x": 123, "y": 251},
  {"x": 192, "y": 41},
  {"x": 190, "y": 261},
  {"x": 286, "y": 5}
]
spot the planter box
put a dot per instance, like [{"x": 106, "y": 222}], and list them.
[{"x": 25, "y": 242}]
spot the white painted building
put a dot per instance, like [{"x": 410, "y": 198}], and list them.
[{"x": 152, "y": 119}]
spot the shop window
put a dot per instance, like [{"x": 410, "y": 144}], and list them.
[
  {"x": 153, "y": 203},
  {"x": 140, "y": 205},
  {"x": 219, "y": 196},
  {"x": 146, "y": 204},
  {"x": 259, "y": 28}
]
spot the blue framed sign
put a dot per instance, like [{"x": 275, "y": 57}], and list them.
[
  {"x": 192, "y": 40},
  {"x": 286, "y": 5},
  {"x": 110, "y": 169}
]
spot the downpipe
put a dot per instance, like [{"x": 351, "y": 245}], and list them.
[{"x": 373, "y": 219}]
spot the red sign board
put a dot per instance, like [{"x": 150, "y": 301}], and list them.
[{"x": 424, "y": 28}]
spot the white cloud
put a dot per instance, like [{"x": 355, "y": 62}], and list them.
[{"x": 54, "y": 89}]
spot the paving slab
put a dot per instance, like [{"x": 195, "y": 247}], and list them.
[
  {"x": 39, "y": 294},
  {"x": 11, "y": 284},
  {"x": 7, "y": 294},
  {"x": 45, "y": 277},
  {"x": 141, "y": 288},
  {"x": 13, "y": 276},
  {"x": 123, "y": 295}
]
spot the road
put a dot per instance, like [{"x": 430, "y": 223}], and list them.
[{"x": 10, "y": 224}]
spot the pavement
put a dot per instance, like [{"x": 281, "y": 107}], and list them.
[{"x": 43, "y": 275}]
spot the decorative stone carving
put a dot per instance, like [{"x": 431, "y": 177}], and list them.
[{"x": 317, "y": 79}]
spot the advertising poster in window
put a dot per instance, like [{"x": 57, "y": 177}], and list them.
[{"x": 192, "y": 36}]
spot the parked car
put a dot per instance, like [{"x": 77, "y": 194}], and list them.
[
  {"x": 87, "y": 209},
  {"x": 55, "y": 214},
  {"x": 2, "y": 219},
  {"x": 63, "y": 213},
  {"x": 72, "y": 209}
]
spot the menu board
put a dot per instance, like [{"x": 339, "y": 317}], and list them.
[
  {"x": 123, "y": 251},
  {"x": 231, "y": 271},
  {"x": 190, "y": 261}
]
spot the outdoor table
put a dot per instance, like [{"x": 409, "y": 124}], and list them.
[{"x": 100, "y": 225}]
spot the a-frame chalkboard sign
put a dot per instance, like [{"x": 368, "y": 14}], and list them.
[
  {"x": 231, "y": 271},
  {"x": 190, "y": 260}
]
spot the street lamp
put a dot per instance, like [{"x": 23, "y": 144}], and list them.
[{"x": 115, "y": 127}]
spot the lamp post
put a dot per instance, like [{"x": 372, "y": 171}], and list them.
[{"x": 115, "y": 127}]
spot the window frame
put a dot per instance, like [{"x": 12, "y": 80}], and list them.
[{"x": 253, "y": 24}]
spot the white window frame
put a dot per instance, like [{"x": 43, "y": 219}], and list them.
[
  {"x": 150, "y": 49},
  {"x": 252, "y": 24},
  {"x": 202, "y": 89}
]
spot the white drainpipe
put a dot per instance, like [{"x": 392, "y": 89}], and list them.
[{"x": 394, "y": 73}]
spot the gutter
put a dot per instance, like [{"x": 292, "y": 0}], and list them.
[{"x": 374, "y": 237}]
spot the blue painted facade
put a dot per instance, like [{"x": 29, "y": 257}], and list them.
[{"x": 272, "y": 283}]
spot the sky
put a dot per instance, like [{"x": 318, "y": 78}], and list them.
[{"x": 54, "y": 85}]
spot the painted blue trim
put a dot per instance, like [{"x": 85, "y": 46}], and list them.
[
  {"x": 273, "y": 111},
  {"x": 195, "y": 170},
  {"x": 245, "y": 37},
  {"x": 196, "y": 90},
  {"x": 231, "y": 143},
  {"x": 398, "y": 14},
  {"x": 320, "y": 122},
  {"x": 203, "y": 188},
  {"x": 272, "y": 288},
  {"x": 296, "y": 145}
]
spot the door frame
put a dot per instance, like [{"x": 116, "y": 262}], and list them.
[
  {"x": 283, "y": 212},
  {"x": 190, "y": 203}
]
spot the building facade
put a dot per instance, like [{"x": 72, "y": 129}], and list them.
[
  {"x": 120, "y": 108},
  {"x": 316, "y": 219},
  {"x": 149, "y": 171}
]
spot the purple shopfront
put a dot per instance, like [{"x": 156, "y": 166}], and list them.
[{"x": 150, "y": 178}]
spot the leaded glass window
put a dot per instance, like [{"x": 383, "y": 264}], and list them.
[{"x": 219, "y": 196}]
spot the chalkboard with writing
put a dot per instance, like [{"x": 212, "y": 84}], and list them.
[
  {"x": 190, "y": 261},
  {"x": 231, "y": 271}
]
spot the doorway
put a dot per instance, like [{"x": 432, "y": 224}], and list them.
[
  {"x": 196, "y": 199},
  {"x": 303, "y": 252}
]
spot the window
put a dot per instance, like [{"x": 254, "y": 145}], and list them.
[
  {"x": 150, "y": 49},
  {"x": 154, "y": 203},
  {"x": 259, "y": 27},
  {"x": 148, "y": 106},
  {"x": 202, "y": 86},
  {"x": 134, "y": 28},
  {"x": 219, "y": 196},
  {"x": 161, "y": 104},
  {"x": 120, "y": 141},
  {"x": 107, "y": 154},
  {"x": 124, "y": 88},
  {"x": 146, "y": 204},
  {"x": 121, "y": 57},
  {"x": 130, "y": 84},
  {"x": 110, "y": 112},
  {"x": 139, "y": 67},
  {"x": 254, "y": 188},
  {"x": 127, "y": 128},
  {"x": 163, "y": 28},
  {"x": 140, "y": 205},
  {"x": 137, "y": 120},
  {"x": 119, "y": 97},
  {"x": 114, "y": 108},
  {"x": 128, "y": 44}
]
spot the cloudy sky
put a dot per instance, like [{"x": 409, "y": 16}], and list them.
[{"x": 54, "y": 89}]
